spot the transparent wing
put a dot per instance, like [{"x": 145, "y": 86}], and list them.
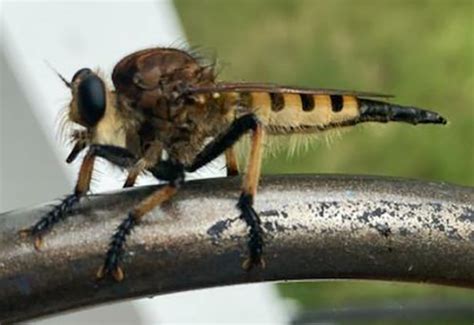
[{"x": 275, "y": 88}]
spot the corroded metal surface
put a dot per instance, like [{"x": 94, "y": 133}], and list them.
[{"x": 317, "y": 227}]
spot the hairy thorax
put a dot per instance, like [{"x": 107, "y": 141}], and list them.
[
  {"x": 189, "y": 126},
  {"x": 182, "y": 127}
]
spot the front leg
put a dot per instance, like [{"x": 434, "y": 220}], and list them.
[{"x": 116, "y": 155}]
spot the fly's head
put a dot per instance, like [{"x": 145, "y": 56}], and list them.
[{"x": 93, "y": 112}]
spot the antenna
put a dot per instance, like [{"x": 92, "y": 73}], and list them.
[{"x": 67, "y": 83}]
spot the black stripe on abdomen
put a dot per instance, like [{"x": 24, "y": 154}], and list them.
[
  {"x": 244, "y": 99},
  {"x": 337, "y": 103},
  {"x": 278, "y": 101},
  {"x": 307, "y": 102}
]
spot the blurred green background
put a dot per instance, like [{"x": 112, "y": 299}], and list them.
[{"x": 421, "y": 51}]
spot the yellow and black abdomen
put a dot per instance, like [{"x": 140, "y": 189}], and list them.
[
  {"x": 300, "y": 112},
  {"x": 303, "y": 112}
]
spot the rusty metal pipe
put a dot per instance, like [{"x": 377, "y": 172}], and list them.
[{"x": 317, "y": 227}]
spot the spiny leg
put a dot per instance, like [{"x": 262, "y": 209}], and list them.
[
  {"x": 232, "y": 165},
  {"x": 60, "y": 211},
  {"x": 245, "y": 204},
  {"x": 216, "y": 147},
  {"x": 115, "y": 252},
  {"x": 116, "y": 155}
]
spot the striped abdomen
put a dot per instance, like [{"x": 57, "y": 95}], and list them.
[{"x": 302, "y": 112}]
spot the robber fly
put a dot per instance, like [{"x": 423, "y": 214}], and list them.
[{"x": 167, "y": 99}]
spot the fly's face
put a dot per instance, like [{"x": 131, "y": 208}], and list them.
[{"x": 93, "y": 109}]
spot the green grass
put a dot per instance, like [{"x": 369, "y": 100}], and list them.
[
  {"x": 336, "y": 294},
  {"x": 422, "y": 51}
]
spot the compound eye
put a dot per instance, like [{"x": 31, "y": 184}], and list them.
[
  {"x": 91, "y": 98},
  {"x": 81, "y": 74}
]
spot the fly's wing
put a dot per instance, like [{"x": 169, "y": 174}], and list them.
[
  {"x": 335, "y": 107},
  {"x": 240, "y": 87}
]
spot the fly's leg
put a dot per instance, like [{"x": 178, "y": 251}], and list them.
[
  {"x": 223, "y": 142},
  {"x": 245, "y": 204},
  {"x": 231, "y": 162},
  {"x": 216, "y": 147},
  {"x": 168, "y": 170},
  {"x": 81, "y": 140},
  {"x": 116, "y": 155},
  {"x": 60, "y": 211},
  {"x": 150, "y": 159},
  {"x": 115, "y": 252}
]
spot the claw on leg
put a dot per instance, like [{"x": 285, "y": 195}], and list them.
[
  {"x": 250, "y": 262},
  {"x": 117, "y": 273},
  {"x": 38, "y": 242},
  {"x": 38, "y": 239},
  {"x": 100, "y": 273}
]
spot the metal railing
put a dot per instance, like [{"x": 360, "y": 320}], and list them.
[{"x": 317, "y": 227}]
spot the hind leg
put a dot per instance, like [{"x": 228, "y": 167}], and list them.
[
  {"x": 249, "y": 189},
  {"x": 231, "y": 162}
]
